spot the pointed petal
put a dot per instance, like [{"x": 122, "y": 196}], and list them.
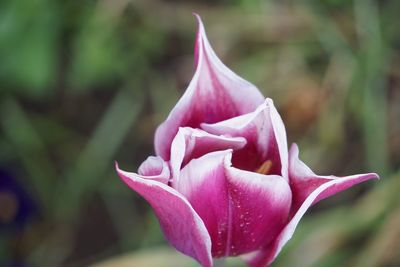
[
  {"x": 180, "y": 223},
  {"x": 192, "y": 143},
  {"x": 155, "y": 168},
  {"x": 304, "y": 181},
  {"x": 214, "y": 94},
  {"x": 241, "y": 210},
  {"x": 266, "y": 138},
  {"x": 307, "y": 188}
]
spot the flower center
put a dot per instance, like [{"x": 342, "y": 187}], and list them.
[{"x": 265, "y": 168}]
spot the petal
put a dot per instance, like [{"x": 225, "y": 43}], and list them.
[
  {"x": 192, "y": 143},
  {"x": 180, "y": 223},
  {"x": 307, "y": 188},
  {"x": 241, "y": 210},
  {"x": 304, "y": 181},
  {"x": 155, "y": 168},
  {"x": 260, "y": 208},
  {"x": 214, "y": 94},
  {"x": 266, "y": 138},
  {"x": 202, "y": 181}
]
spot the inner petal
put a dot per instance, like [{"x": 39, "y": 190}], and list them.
[
  {"x": 265, "y": 134},
  {"x": 192, "y": 143}
]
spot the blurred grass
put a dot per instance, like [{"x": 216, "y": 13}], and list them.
[{"x": 85, "y": 83}]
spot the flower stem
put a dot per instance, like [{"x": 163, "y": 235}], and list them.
[{"x": 220, "y": 262}]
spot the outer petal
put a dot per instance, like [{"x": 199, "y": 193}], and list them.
[
  {"x": 214, "y": 94},
  {"x": 266, "y": 138},
  {"x": 241, "y": 210},
  {"x": 303, "y": 181},
  {"x": 308, "y": 188},
  {"x": 180, "y": 223},
  {"x": 192, "y": 143}
]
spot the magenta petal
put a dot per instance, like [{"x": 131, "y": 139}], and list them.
[
  {"x": 202, "y": 181},
  {"x": 304, "y": 181},
  {"x": 307, "y": 188},
  {"x": 180, "y": 223},
  {"x": 192, "y": 143},
  {"x": 241, "y": 210},
  {"x": 266, "y": 138},
  {"x": 214, "y": 94},
  {"x": 259, "y": 207}
]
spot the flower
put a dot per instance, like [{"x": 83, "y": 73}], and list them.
[{"x": 223, "y": 182}]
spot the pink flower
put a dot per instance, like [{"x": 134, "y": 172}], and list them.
[{"x": 223, "y": 182}]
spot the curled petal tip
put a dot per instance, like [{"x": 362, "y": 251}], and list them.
[
  {"x": 197, "y": 16},
  {"x": 116, "y": 164},
  {"x": 269, "y": 101},
  {"x": 199, "y": 21},
  {"x": 294, "y": 146},
  {"x": 199, "y": 39},
  {"x": 294, "y": 149},
  {"x": 374, "y": 175}
]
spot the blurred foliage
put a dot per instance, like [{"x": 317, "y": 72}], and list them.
[{"x": 84, "y": 83}]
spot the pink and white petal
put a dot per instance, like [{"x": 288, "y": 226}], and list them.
[
  {"x": 307, "y": 189},
  {"x": 192, "y": 143},
  {"x": 266, "y": 138},
  {"x": 266, "y": 256},
  {"x": 181, "y": 225},
  {"x": 259, "y": 209},
  {"x": 202, "y": 181},
  {"x": 304, "y": 181},
  {"x": 155, "y": 168},
  {"x": 214, "y": 94},
  {"x": 241, "y": 210}
]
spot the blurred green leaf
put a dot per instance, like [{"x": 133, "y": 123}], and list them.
[
  {"x": 28, "y": 45},
  {"x": 97, "y": 155},
  {"x": 373, "y": 63}
]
